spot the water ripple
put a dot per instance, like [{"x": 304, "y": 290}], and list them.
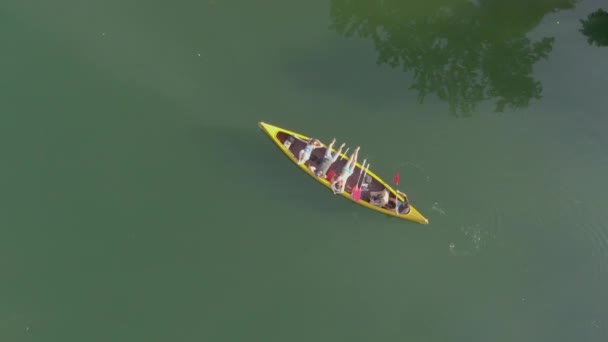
[{"x": 588, "y": 222}]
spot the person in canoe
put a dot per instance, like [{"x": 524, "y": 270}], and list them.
[
  {"x": 400, "y": 208},
  {"x": 338, "y": 185},
  {"x": 305, "y": 153},
  {"x": 379, "y": 198},
  {"x": 328, "y": 159}
]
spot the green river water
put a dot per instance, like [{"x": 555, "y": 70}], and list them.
[{"x": 140, "y": 201}]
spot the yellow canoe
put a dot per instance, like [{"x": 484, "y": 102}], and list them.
[{"x": 280, "y": 135}]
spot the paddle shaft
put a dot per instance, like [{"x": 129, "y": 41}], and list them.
[
  {"x": 303, "y": 140},
  {"x": 343, "y": 154},
  {"x": 396, "y": 180},
  {"x": 363, "y": 179},
  {"x": 362, "y": 167},
  {"x": 356, "y": 192}
]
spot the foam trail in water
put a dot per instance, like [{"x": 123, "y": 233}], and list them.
[{"x": 437, "y": 208}]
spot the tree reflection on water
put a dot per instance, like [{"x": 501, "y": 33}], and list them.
[
  {"x": 463, "y": 52},
  {"x": 595, "y": 28}
]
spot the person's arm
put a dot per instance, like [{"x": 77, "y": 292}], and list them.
[
  {"x": 406, "y": 201},
  {"x": 333, "y": 188}
]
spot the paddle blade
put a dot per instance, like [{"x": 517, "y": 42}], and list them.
[
  {"x": 396, "y": 179},
  {"x": 356, "y": 194}
]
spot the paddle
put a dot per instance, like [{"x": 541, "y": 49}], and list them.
[
  {"x": 396, "y": 180},
  {"x": 343, "y": 154},
  {"x": 302, "y": 139},
  {"x": 356, "y": 194},
  {"x": 354, "y": 191}
]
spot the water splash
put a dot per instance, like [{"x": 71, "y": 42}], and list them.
[
  {"x": 475, "y": 239},
  {"x": 437, "y": 208},
  {"x": 458, "y": 252}
]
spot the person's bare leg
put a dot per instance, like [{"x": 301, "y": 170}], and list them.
[{"x": 339, "y": 150}]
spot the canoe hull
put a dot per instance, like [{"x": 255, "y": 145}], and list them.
[{"x": 278, "y": 135}]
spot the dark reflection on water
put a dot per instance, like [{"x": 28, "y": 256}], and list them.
[
  {"x": 463, "y": 52},
  {"x": 595, "y": 28}
]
